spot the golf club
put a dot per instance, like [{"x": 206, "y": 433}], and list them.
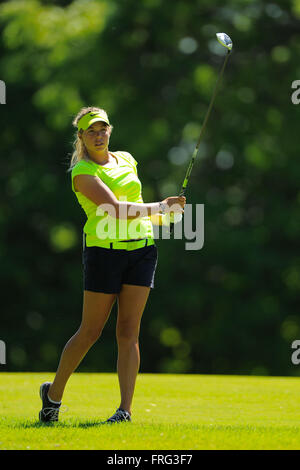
[{"x": 225, "y": 40}]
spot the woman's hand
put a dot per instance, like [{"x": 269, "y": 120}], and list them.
[{"x": 174, "y": 204}]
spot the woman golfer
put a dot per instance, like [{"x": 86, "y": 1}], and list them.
[{"x": 119, "y": 257}]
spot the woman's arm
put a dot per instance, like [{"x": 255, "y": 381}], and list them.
[{"x": 98, "y": 192}]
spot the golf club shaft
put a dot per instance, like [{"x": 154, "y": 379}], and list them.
[{"x": 195, "y": 153}]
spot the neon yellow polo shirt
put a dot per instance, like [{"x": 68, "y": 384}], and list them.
[{"x": 126, "y": 186}]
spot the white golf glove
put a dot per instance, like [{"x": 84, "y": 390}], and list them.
[{"x": 171, "y": 217}]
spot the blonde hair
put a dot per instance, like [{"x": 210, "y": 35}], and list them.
[{"x": 80, "y": 152}]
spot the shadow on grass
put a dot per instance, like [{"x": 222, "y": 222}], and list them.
[
  {"x": 75, "y": 424},
  {"x": 202, "y": 428}
]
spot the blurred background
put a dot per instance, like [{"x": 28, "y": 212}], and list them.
[{"x": 231, "y": 307}]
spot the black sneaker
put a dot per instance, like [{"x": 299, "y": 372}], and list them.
[
  {"x": 49, "y": 411},
  {"x": 119, "y": 416}
]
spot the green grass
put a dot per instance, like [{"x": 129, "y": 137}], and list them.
[{"x": 169, "y": 412}]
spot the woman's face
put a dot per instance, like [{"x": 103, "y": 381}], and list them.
[{"x": 96, "y": 137}]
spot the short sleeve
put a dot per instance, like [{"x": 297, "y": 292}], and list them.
[
  {"x": 129, "y": 158},
  {"x": 83, "y": 168},
  {"x": 132, "y": 160}
]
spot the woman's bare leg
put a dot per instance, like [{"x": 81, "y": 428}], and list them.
[
  {"x": 131, "y": 303},
  {"x": 96, "y": 309}
]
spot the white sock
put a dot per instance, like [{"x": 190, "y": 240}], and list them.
[{"x": 52, "y": 401}]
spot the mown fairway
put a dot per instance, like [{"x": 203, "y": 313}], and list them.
[{"x": 169, "y": 412}]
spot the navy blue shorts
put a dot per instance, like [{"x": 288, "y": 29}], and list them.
[{"x": 105, "y": 270}]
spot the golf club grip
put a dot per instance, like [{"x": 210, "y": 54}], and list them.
[{"x": 182, "y": 193}]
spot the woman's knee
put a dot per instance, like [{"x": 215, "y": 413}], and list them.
[
  {"x": 128, "y": 334},
  {"x": 89, "y": 335}
]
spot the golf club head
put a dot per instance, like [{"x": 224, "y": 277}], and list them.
[{"x": 225, "y": 40}]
